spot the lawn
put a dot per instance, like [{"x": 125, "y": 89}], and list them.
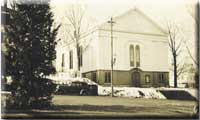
[{"x": 105, "y": 106}]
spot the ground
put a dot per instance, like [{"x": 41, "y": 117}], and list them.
[{"x": 105, "y": 106}]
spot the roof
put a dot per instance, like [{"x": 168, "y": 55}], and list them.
[{"x": 142, "y": 14}]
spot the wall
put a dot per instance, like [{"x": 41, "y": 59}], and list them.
[
  {"x": 123, "y": 78},
  {"x": 90, "y": 54},
  {"x": 153, "y": 51}
]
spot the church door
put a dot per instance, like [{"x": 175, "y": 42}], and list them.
[{"x": 135, "y": 79}]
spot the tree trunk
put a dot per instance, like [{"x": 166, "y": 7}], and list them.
[
  {"x": 77, "y": 60},
  {"x": 175, "y": 71}
]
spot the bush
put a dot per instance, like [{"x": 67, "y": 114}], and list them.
[
  {"x": 39, "y": 95},
  {"x": 42, "y": 96}
]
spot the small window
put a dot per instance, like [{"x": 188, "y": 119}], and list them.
[
  {"x": 161, "y": 78},
  {"x": 107, "y": 77},
  {"x": 147, "y": 78},
  {"x": 83, "y": 75},
  {"x": 94, "y": 77}
]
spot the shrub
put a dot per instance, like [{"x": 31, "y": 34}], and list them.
[{"x": 38, "y": 95}]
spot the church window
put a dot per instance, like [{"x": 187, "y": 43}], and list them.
[
  {"x": 131, "y": 51},
  {"x": 137, "y": 50}
]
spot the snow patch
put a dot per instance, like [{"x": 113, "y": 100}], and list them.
[
  {"x": 131, "y": 92},
  {"x": 68, "y": 81},
  {"x": 152, "y": 93}
]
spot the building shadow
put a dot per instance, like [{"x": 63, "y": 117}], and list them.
[
  {"x": 88, "y": 111},
  {"x": 177, "y": 95}
]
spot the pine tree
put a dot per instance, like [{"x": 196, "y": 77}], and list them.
[{"x": 30, "y": 51}]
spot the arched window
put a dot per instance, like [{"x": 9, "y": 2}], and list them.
[
  {"x": 131, "y": 51},
  {"x": 137, "y": 55}
]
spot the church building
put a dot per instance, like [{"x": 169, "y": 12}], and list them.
[{"x": 140, "y": 52}]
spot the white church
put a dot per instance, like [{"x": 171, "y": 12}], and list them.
[{"x": 140, "y": 51}]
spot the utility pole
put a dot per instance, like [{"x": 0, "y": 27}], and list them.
[{"x": 111, "y": 25}]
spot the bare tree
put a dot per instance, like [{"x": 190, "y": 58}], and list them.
[
  {"x": 175, "y": 49},
  {"x": 193, "y": 12},
  {"x": 78, "y": 29}
]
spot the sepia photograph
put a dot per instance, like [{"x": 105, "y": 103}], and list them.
[{"x": 113, "y": 59}]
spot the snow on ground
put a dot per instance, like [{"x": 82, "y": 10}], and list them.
[
  {"x": 131, "y": 92},
  {"x": 68, "y": 81},
  {"x": 126, "y": 91}
]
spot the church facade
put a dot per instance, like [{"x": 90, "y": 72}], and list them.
[{"x": 140, "y": 52}]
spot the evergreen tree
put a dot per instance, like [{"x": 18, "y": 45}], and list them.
[{"x": 30, "y": 51}]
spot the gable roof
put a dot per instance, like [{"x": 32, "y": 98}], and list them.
[{"x": 139, "y": 12}]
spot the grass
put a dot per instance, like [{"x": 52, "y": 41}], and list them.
[{"x": 99, "y": 106}]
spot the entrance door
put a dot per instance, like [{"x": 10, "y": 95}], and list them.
[{"x": 136, "y": 79}]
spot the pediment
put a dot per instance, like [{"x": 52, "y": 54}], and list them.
[{"x": 134, "y": 21}]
